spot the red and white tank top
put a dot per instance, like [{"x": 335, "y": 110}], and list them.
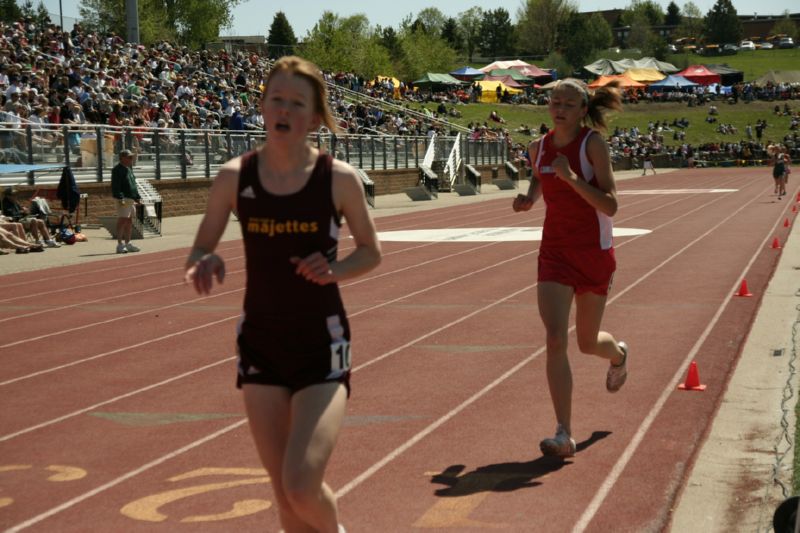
[{"x": 570, "y": 222}]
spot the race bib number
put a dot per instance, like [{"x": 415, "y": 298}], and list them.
[{"x": 340, "y": 356}]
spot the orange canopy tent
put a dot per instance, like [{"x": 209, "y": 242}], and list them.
[{"x": 624, "y": 81}]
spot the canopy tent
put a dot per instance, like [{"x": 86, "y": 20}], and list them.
[
  {"x": 467, "y": 73},
  {"x": 607, "y": 66},
  {"x": 509, "y": 81},
  {"x": 510, "y": 73},
  {"x": 700, "y": 74},
  {"x": 504, "y": 64},
  {"x": 644, "y": 75},
  {"x": 729, "y": 76},
  {"x": 779, "y": 76},
  {"x": 489, "y": 90},
  {"x": 431, "y": 79},
  {"x": 532, "y": 71},
  {"x": 673, "y": 81},
  {"x": 392, "y": 79},
  {"x": 624, "y": 81}
]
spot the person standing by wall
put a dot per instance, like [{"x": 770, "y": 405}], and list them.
[
  {"x": 572, "y": 172},
  {"x": 294, "y": 336},
  {"x": 126, "y": 195}
]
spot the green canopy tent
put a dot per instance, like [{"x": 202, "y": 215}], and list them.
[{"x": 432, "y": 80}]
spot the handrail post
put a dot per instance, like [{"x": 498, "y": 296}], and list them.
[
  {"x": 157, "y": 147},
  {"x": 207, "y": 150},
  {"x": 182, "y": 155},
  {"x": 98, "y": 133}
]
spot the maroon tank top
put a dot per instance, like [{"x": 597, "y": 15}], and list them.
[{"x": 278, "y": 227}]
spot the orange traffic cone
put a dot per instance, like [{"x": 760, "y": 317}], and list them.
[
  {"x": 776, "y": 245},
  {"x": 786, "y": 223},
  {"x": 692, "y": 379},
  {"x": 743, "y": 290}
]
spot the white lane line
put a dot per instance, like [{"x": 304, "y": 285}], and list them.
[
  {"x": 397, "y": 451},
  {"x": 83, "y": 274},
  {"x": 94, "y": 406},
  {"x": 633, "y": 445},
  {"x": 437, "y": 423}
]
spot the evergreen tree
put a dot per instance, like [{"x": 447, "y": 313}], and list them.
[
  {"x": 451, "y": 34},
  {"x": 10, "y": 11},
  {"x": 280, "y": 39},
  {"x": 722, "y": 23},
  {"x": 27, "y": 9},
  {"x": 42, "y": 16},
  {"x": 673, "y": 17},
  {"x": 497, "y": 33}
]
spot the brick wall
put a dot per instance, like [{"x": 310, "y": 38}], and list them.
[{"x": 189, "y": 197}]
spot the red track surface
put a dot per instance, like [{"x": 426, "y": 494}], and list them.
[{"x": 119, "y": 410}]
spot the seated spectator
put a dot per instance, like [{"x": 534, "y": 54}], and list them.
[
  {"x": 21, "y": 246},
  {"x": 496, "y": 118},
  {"x": 17, "y": 213}
]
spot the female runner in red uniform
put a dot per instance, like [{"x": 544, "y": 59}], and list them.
[
  {"x": 572, "y": 172},
  {"x": 294, "y": 349}
]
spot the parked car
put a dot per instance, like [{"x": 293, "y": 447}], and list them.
[
  {"x": 672, "y": 48},
  {"x": 765, "y": 46},
  {"x": 747, "y": 45},
  {"x": 786, "y": 42}
]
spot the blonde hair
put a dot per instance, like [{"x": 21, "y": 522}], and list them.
[
  {"x": 598, "y": 101},
  {"x": 297, "y": 66}
]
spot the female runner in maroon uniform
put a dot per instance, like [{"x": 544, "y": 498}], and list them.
[
  {"x": 294, "y": 352},
  {"x": 572, "y": 172}
]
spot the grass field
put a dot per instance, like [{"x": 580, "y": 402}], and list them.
[
  {"x": 698, "y": 132},
  {"x": 754, "y": 63}
]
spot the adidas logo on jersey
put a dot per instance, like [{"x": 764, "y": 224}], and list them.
[{"x": 248, "y": 193}]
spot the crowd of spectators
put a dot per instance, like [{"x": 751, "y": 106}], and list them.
[{"x": 78, "y": 77}]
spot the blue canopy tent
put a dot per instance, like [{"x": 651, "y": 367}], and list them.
[
  {"x": 672, "y": 82},
  {"x": 467, "y": 74}
]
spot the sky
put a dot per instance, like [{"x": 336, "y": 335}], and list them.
[{"x": 253, "y": 17}]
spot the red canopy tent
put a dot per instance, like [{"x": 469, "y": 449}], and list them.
[
  {"x": 532, "y": 71},
  {"x": 700, "y": 74}
]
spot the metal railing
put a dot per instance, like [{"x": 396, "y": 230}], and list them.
[
  {"x": 92, "y": 150},
  {"x": 452, "y": 168}
]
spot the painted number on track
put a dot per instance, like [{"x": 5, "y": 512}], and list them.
[{"x": 149, "y": 508}]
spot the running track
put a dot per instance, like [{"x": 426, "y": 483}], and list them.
[{"x": 119, "y": 410}]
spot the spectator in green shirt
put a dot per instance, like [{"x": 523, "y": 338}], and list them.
[{"x": 123, "y": 188}]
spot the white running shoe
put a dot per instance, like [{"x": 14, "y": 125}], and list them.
[
  {"x": 50, "y": 243},
  {"x": 562, "y": 445},
  {"x": 121, "y": 249},
  {"x": 617, "y": 374},
  {"x": 131, "y": 248}
]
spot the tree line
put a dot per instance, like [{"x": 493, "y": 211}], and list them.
[{"x": 552, "y": 32}]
